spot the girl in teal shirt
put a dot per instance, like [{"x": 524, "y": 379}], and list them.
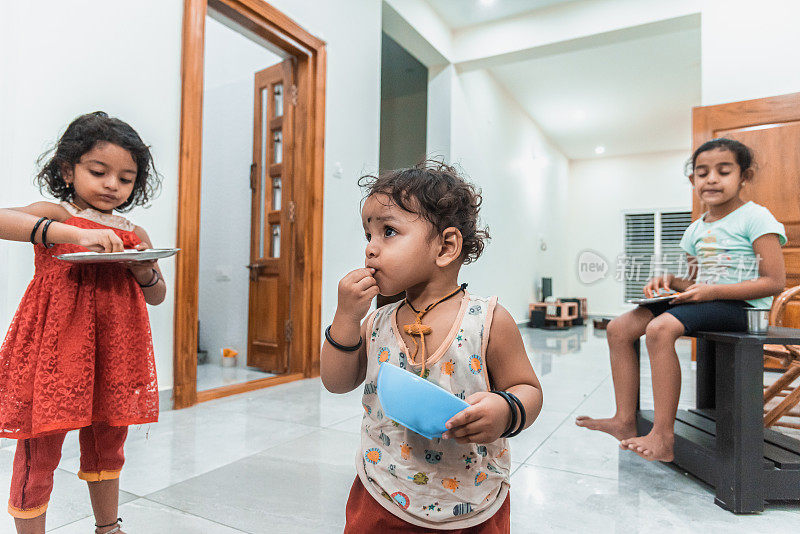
[{"x": 735, "y": 262}]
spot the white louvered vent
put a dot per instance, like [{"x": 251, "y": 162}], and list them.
[
  {"x": 652, "y": 246},
  {"x": 639, "y": 250}
]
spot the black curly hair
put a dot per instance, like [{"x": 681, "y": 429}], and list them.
[
  {"x": 81, "y": 136},
  {"x": 437, "y": 192},
  {"x": 743, "y": 154}
]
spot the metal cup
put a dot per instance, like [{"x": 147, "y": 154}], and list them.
[{"x": 757, "y": 320}]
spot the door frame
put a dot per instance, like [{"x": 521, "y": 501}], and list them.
[{"x": 268, "y": 23}]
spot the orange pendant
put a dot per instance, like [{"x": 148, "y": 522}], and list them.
[{"x": 417, "y": 329}]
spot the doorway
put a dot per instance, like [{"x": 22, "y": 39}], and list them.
[
  {"x": 404, "y": 114},
  {"x": 247, "y": 297},
  {"x": 404, "y": 107}
]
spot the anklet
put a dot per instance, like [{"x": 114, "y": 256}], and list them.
[{"x": 113, "y": 530}]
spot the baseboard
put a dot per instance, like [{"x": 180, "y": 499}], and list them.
[{"x": 165, "y": 400}]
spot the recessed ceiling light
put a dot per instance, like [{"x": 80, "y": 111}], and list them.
[
  {"x": 599, "y": 149},
  {"x": 487, "y": 2},
  {"x": 579, "y": 114}
]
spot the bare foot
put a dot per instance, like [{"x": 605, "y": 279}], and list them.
[
  {"x": 651, "y": 447},
  {"x": 616, "y": 427}
]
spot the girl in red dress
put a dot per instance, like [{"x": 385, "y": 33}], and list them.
[{"x": 79, "y": 354}]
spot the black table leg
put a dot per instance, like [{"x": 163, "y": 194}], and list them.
[
  {"x": 740, "y": 427},
  {"x": 705, "y": 396},
  {"x": 637, "y": 347}
]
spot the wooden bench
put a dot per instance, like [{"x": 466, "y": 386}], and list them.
[
  {"x": 567, "y": 312},
  {"x": 723, "y": 440}
]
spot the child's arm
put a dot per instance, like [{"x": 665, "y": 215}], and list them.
[
  {"x": 343, "y": 371},
  {"x": 16, "y": 224},
  {"x": 771, "y": 277},
  {"x": 145, "y": 271},
  {"x": 510, "y": 370}
]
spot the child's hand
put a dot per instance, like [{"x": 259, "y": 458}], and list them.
[
  {"x": 658, "y": 284},
  {"x": 100, "y": 240},
  {"x": 483, "y": 422},
  {"x": 141, "y": 270},
  {"x": 356, "y": 291},
  {"x": 697, "y": 293}
]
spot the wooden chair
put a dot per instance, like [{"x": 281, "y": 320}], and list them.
[{"x": 789, "y": 358}]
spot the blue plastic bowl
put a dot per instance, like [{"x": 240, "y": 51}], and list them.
[{"x": 414, "y": 402}]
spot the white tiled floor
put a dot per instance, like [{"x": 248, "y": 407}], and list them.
[{"x": 280, "y": 460}]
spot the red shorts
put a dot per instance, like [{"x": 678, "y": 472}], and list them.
[
  {"x": 37, "y": 458},
  {"x": 365, "y": 515}
]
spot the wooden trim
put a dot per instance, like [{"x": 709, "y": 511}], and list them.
[
  {"x": 188, "y": 239},
  {"x": 235, "y": 389},
  {"x": 306, "y": 292},
  {"x": 260, "y": 11},
  {"x": 745, "y": 113}
]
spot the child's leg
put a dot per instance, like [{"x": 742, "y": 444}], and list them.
[
  {"x": 662, "y": 333},
  {"x": 101, "y": 462},
  {"x": 622, "y": 333},
  {"x": 32, "y": 481}
]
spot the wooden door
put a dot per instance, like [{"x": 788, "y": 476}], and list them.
[
  {"x": 771, "y": 127},
  {"x": 271, "y": 244}
]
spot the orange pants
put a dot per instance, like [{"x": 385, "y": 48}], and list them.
[
  {"x": 365, "y": 515},
  {"x": 36, "y": 460}
]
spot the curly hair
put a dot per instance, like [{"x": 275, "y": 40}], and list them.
[
  {"x": 81, "y": 136},
  {"x": 438, "y": 193}
]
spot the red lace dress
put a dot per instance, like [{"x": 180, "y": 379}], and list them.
[{"x": 79, "y": 348}]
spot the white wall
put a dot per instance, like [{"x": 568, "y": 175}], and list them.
[
  {"x": 600, "y": 190},
  {"x": 749, "y": 50},
  {"x": 352, "y": 30},
  {"x": 62, "y": 59},
  {"x": 524, "y": 183},
  {"x": 69, "y": 60},
  {"x": 230, "y": 63}
]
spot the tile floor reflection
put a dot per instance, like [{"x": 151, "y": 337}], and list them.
[{"x": 280, "y": 460}]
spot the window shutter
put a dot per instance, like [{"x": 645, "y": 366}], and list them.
[
  {"x": 673, "y": 258},
  {"x": 639, "y": 251}
]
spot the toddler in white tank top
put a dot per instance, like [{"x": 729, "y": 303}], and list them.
[{"x": 421, "y": 226}]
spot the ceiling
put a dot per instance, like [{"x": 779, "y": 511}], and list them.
[
  {"x": 629, "y": 97},
  {"x": 459, "y": 14}
]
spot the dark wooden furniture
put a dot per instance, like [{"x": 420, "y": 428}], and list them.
[
  {"x": 723, "y": 441},
  {"x": 566, "y": 312}
]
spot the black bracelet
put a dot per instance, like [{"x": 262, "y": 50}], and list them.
[
  {"x": 521, "y": 415},
  {"x": 156, "y": 278},
  {"x": 339, "y": 346},
  {"x": 511, "y": 407},
  {"x": 44, "y": 234},
  {"x": 35, "y": 228}
]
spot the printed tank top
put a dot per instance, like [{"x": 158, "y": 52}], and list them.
[{"x": 433, "y": 483}]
